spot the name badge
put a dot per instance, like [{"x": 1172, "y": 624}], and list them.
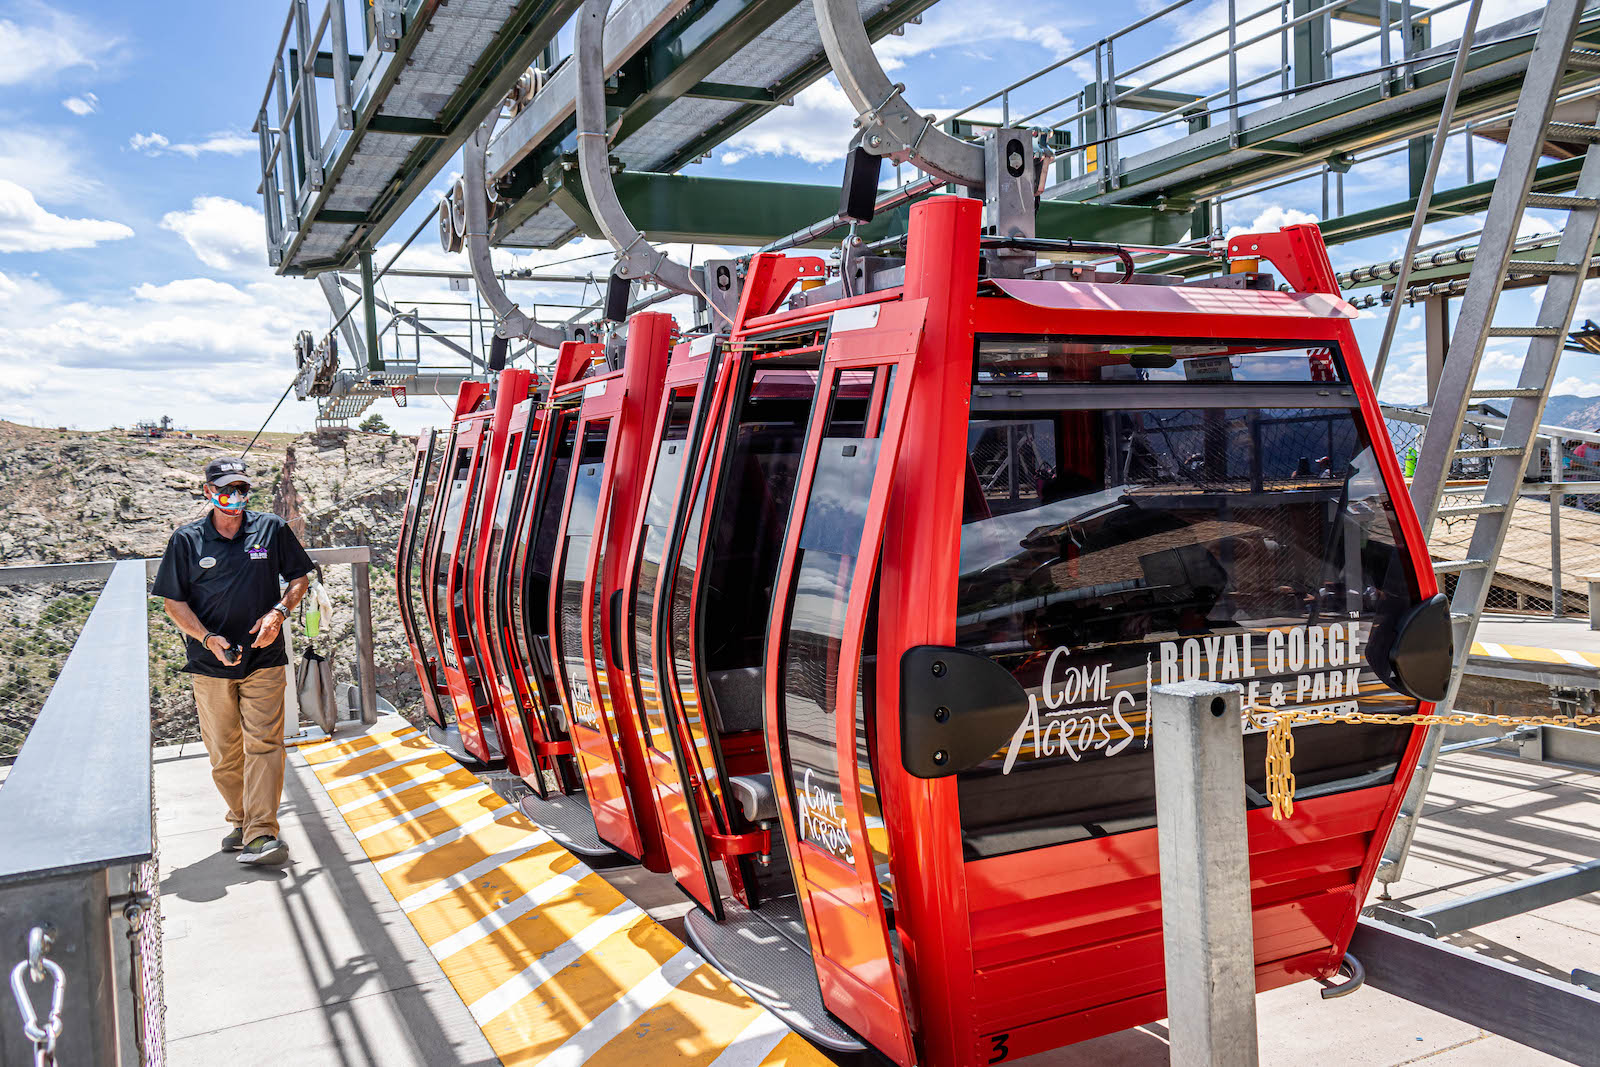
[
  {"x": 207, "y": 562},
  {"x": 258, "y": 553}
]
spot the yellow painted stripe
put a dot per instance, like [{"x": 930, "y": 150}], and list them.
[
  {"x": 1534, "y": 655},
  {"x": 501, "y": 887},
  {"x": 543, "y": 1020},
  {"x": 549, "y": 953},
  {"x": 321, "y": 751},
  {"x": 686, "y": 1027}
]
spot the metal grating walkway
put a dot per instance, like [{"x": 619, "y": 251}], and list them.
[{"x": 554, "y": 964}]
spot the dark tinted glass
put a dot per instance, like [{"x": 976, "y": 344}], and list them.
[
  {"x": 530, "y": 579},
  {"x": 830, "y": 541},
  {"x": 1040, "y": 359},
  {"x": 449, "y": 539},
  {"x": 660, "y": 509},
  {"x": 1103, "y": 552},
  {"x": 588, "y": 476},
  {"x": 419, "y": 507}
]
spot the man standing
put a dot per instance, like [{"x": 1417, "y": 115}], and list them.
[{"x": 219, "y": 577}]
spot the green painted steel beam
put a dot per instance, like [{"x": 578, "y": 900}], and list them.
[
  {"x": 406, "y": 126},
  {"x": 732, "y": 94},
  {"x": 675, "y": 65},
  {"x": 737, "y": 211}
]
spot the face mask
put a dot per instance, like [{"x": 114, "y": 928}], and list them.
[{"x": 230, "y": 503}]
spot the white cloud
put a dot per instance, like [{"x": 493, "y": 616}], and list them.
[
  {"x": 1575, "y": 386},
  {"x": 48, "y": 44},
  {"x": 42, "y": 160},
  {"x": 1273, "y": 218},
  {"x": 816, "y": 129},
  {"x": 86, "y": 104},
  {"x": 191, "y": 291},
  {"x": 957, "y": 25},
  {"x": 27, "y": 227},
  {"x": 225, "y": 234},
  {"x": 226, "y": 144}
]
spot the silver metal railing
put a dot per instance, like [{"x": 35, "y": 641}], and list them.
[
  {"x": 79, "y": 919},
  {"x": 80, "y": 924},
  {"x": 1550, "y": 550}
]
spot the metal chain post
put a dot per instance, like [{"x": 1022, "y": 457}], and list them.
[{"x": 34, "y": 969}]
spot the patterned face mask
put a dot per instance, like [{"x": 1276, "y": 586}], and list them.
[{"x": 230, "y": 501}]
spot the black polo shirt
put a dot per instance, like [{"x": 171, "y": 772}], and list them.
[{"x": 230, "y": 584}]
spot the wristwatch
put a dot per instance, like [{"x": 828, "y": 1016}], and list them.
[{"x": 281, "y": 610}]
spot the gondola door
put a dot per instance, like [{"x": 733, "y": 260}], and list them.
[
  {"x": 818, "y": 664},
  {"x": 408, "y": 570},
  {"x": 577, "y": 618},
  {"x": 462, "y": 670},
  {"x": 675, "y": 783}
]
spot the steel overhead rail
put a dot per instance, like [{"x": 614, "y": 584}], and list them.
[
  {"x": 429, "y": 72},
  {"x": 1329, "y": 119},
  {"x": 637, "y": 259},
  {"x": 687, "y": 78}
]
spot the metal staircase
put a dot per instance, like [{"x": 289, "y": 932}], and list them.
[{"x": 1532, "y": 127}]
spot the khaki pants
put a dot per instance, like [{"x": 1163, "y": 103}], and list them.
[{"x": 241, "y": 722}]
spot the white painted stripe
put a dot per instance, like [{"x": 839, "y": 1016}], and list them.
[
  {"x": 625, "y": 1011},
  {"x": 394, "y": 790},
  {"x": 542, "y": 970},
  {"x": 1498, "y": 651},
  {"x": 1572, "y": 657},
  {"x": 351, "y": 779},
  {"x": 445, "y": 886},
  {"x": 754, "y": 1044},
  {"x": 507, "y": 914},
  {"x": 376, "y": 739},
  {"x": 406, "y": 816},
  {"x": 455, "y": 833}
]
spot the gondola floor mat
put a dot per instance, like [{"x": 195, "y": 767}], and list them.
[{"x": 555, "y": 965}]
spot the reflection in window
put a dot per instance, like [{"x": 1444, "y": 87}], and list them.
[
  {"x": 830, "y": 541},
  {"x": 1093, "y": 540},
  {"x": 1125, "y": 360},
  {"x": 587, "y": 477}
]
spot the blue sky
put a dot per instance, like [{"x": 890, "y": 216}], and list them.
[{"x": 133, "y": 277}]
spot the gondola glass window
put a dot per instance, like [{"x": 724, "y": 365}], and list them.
[
  {"x": 1117, "y": 537},
  {"x": 587, "y": 477},
  {"x": 830, "y": 542},
  {"x": 450, "y": 530}
]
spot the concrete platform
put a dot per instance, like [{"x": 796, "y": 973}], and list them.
[{"x": 316, "y": 964}]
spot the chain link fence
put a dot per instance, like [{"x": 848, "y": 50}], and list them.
[{"x": 1552, "y": 544}]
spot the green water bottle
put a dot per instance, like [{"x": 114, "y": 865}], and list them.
[{"x": 1411, "y": 462}]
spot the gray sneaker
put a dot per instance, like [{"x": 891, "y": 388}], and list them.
[
  {"x": 264, "y": 849},
  {"x": 234, "y": 841}
]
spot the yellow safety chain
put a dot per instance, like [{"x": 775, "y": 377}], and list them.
[{"x": 1280, "y": 737}]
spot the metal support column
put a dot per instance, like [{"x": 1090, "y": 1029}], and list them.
[
  {"x": 1205, "y": 873},
  {"x": 1310, "y": 45},
  {"x": 361, "y": 585},
  {"x": 1436, "y": 337},
  {"x": 1556, "y": 498},
  {"x": 370, "y": 308}
]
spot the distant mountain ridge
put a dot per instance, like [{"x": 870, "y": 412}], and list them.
[{"x": 1573, "y": 412}]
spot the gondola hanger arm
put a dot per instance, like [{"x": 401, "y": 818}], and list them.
[
  {"x": 889, "y": 126},
  {"x": 510, "y": 321},
  {"x": 637, "y": 258}
]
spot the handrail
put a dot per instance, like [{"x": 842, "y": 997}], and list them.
[{"x": 78, "y": 797}]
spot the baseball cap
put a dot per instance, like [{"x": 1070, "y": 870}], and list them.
[{"x": 225, "y": 472}]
